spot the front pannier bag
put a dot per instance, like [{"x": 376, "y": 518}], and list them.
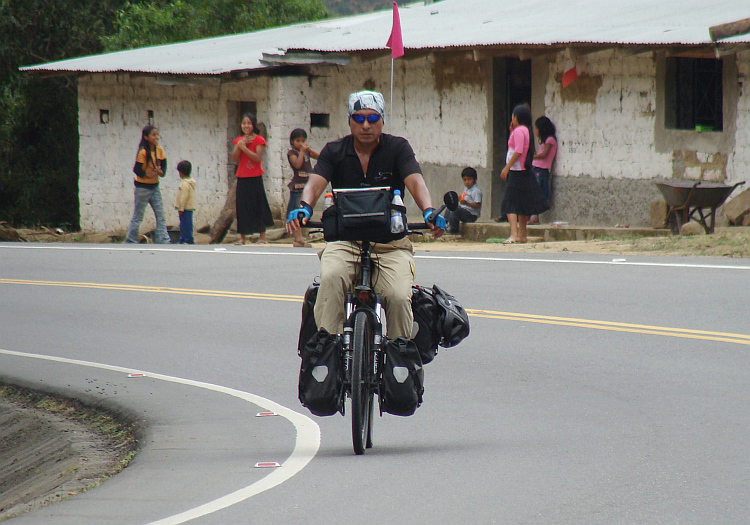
[
  {"x": 403, "y": 378},
  {"x": 321, "y": 375}
]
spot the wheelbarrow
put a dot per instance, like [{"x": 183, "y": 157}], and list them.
[{"x": 686, "y": 199}]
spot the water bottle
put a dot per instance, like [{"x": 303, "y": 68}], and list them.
[
  {"x": 328, "y": 202},
  {"x": 397, "y": 218}
]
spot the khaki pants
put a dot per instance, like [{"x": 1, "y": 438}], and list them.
[{"x": 392, "y": 277}]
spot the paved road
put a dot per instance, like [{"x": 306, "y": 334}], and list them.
[{"x": 589, "y": 391}]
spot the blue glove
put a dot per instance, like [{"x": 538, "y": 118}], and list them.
[
  {"x": 439, "y": 220},
  {"x": 304, "y": 209}
]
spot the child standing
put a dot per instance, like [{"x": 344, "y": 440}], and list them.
[
  {"x": 150, "y": 165},
  {"x": 470, "y": 203},
  {"x": 299, "y": 160},
  {"x": 253, "y": 212},
  {"x": 185, "y": 202},
  {"x": 542, "y": 163}
]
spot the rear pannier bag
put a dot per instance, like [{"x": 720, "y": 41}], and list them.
[
  {"x": 425, "y": 310},
  {"x": 403, "y": 378},
  {"x": 321, "y": 375}
]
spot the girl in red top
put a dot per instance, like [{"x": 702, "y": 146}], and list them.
[{"x": 253, "y": 212}]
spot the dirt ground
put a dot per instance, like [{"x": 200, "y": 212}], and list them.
[
  {"x": 731, "y": 241},
  {"x": 52, "y": 448}
]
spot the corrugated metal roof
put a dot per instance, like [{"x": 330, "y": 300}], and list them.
[{"x": 448, "y": 23}]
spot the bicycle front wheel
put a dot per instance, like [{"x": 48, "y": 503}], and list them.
[{"x": 362, "y": 393}]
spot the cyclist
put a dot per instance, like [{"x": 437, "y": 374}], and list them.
[{"x": 367, "y": 158}]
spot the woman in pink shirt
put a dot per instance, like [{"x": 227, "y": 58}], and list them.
[
  {"x": 542, "y": 163},
  {"x": 523, "y": 197}
]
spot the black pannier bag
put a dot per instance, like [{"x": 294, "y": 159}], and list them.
[
  {"x": 308, "y": 328},
  {"x": 440, "y": 319},
  {"x": 453, "y": 321},
  {"x": 321, "y": 375},
  {"x": 361, "y": 214},
  {"x": 425, "y": 310},
  {"x": 403, "y": 378}
]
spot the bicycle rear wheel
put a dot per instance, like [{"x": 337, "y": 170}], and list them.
[{"x": 362, "y": 393}]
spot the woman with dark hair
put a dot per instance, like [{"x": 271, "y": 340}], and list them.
[
  {"x": 542, "y": 163},
  {"x": 150, "y": 164},
  {"x": 523, "y": 196},
  {"x": 253, "y": 212}
]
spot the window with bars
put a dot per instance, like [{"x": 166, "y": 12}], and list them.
[{"x": 694, "y": 94}]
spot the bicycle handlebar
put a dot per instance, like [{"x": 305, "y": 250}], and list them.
[{"x": 410, "y": 226}]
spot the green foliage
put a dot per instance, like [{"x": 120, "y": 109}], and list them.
[
  {"x": 148, "y": 24},
  {"x": 38, "y": 129},
  {"x": 352, "y": 7},
  {"x": 39, "y": 117}
]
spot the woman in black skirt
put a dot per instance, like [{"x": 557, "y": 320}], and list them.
[
  {"x": 253, "y": 212},
  {"x": 523, "y": 196}
]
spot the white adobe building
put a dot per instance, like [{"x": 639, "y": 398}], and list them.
[{"x": 656, "y": 98}]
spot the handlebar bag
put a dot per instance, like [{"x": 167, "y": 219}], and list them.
[
  {"x": 403, "y": 378},
  {"x": 361, "y": 214},
  {"x": 320, "y": 376}
]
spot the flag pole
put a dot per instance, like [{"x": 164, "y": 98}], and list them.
[
  {"x": 396, "y": 43},
  {"x": 390, "y": 118}
]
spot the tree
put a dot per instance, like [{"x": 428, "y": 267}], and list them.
[
  {"x": 39, "y": 117},
  {"x": 38, "y": 129},
  {"x": 148, "y": 24}
]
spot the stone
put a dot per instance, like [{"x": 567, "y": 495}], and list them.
[
  {"x": 658, "y": 213},
  {"x": 738, "y": 208},
  {"x": 692, "y": 228}
]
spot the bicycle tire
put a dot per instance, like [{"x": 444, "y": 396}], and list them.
[{"x": 361, "y": 384}]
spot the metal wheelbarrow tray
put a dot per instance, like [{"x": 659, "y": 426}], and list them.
[{"x": 687, "y": 198}]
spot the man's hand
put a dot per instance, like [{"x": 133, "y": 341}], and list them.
[
  {"x": 292, "y": 220},
  {"x": 438, "y": 227}
]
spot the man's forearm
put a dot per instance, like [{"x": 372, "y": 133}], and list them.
[{"x": 418, "y": 189}]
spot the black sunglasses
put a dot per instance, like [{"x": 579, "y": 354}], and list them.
[{"x": 360, "y": 119}]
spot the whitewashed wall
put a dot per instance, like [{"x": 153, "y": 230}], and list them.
[
  {"x": 606, "y": 126},
  {"x": 739, "y": 161}
]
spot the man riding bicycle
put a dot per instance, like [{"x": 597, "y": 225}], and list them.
[{"x": 367, "y": 158}]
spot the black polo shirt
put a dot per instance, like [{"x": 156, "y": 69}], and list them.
[{"x": 391, "y": 162}]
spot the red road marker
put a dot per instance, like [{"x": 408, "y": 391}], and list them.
[
  {"x": 263, "y": 414},
  {"x": 267, "y": 464},
  {"x": 136, "y": 375}
]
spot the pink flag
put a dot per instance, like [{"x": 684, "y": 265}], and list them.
[
  {"x": 394, "y": 41},
  {"x": 570, "y": 74}
]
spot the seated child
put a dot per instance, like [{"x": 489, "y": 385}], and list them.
[{"x": 470, "y": 202}]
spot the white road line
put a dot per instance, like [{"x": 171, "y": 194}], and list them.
[
  {"x": 234, "y": 251},
  {"x": 618, "y": 262},
  {"x": 305, "y": 448}
]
